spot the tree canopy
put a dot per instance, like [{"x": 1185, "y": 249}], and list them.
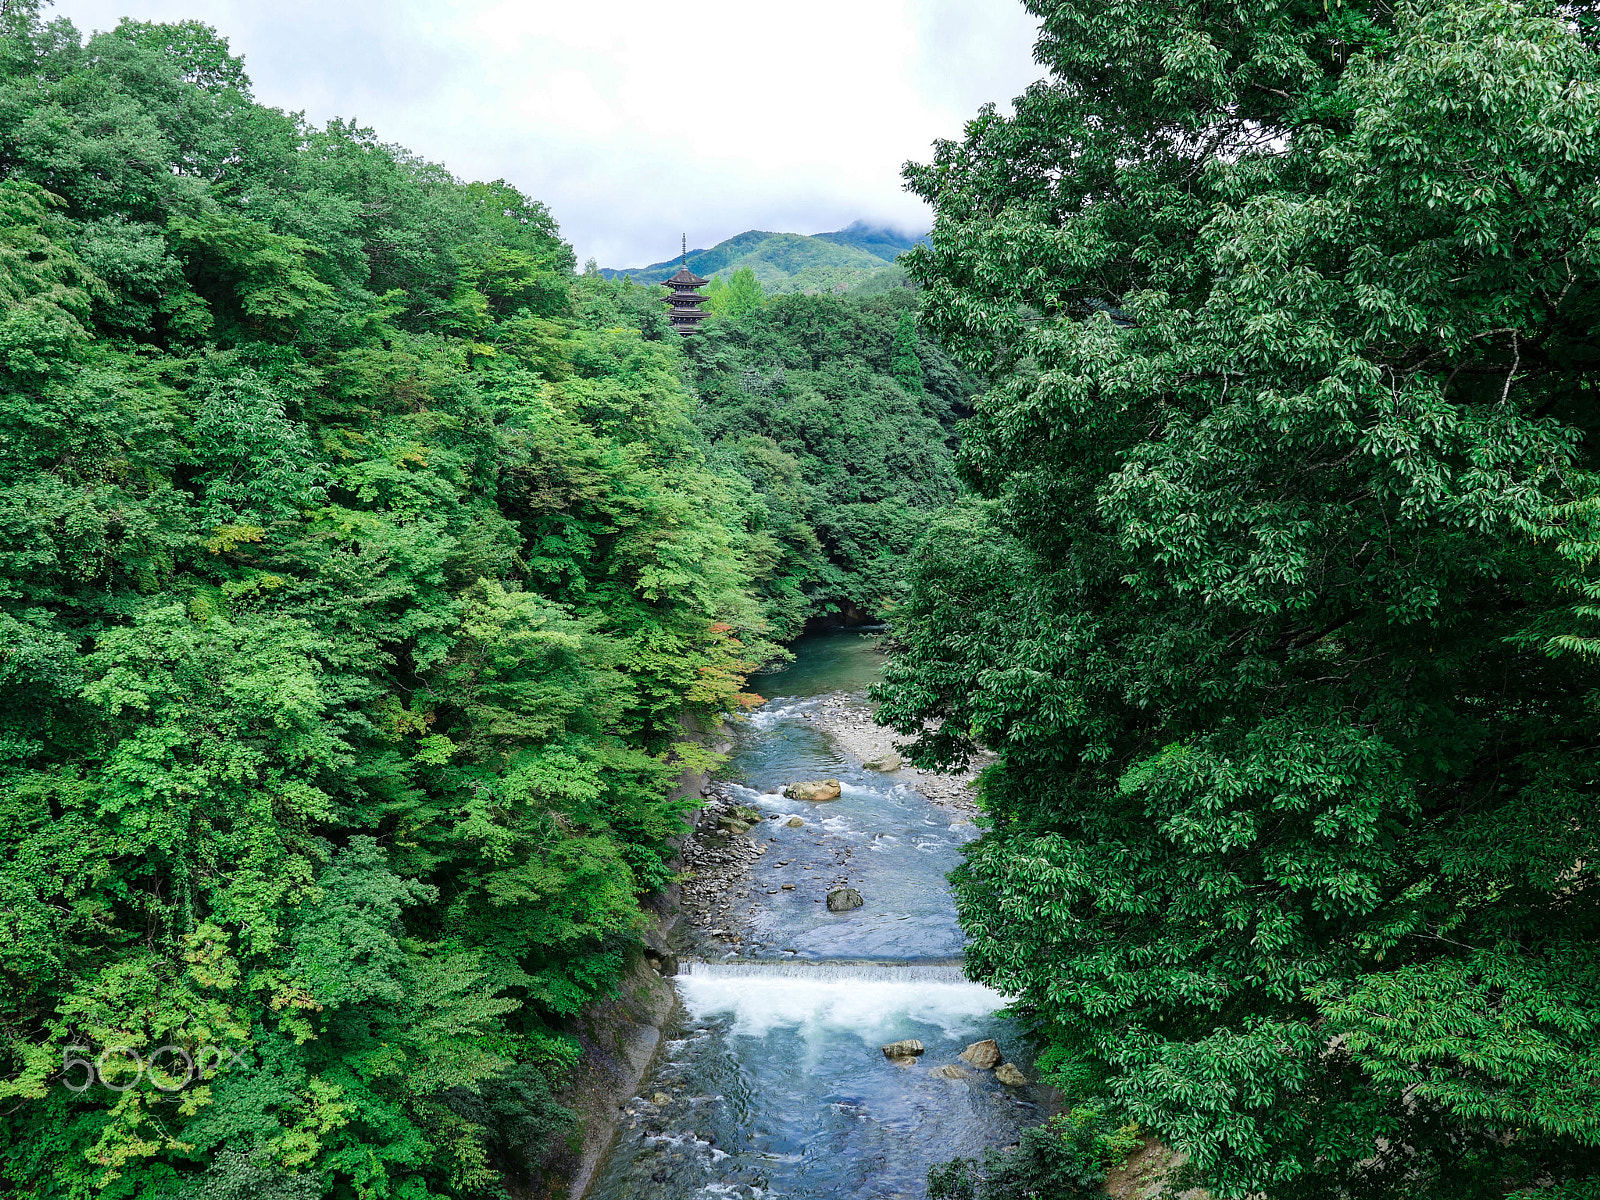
[
  {"x": 841, "y": 413},
  {"x": 1274, "y": 598},
  {"x": 359, "y": 567}
]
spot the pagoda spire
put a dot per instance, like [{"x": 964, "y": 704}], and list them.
[{"x": 684, "y": 299}]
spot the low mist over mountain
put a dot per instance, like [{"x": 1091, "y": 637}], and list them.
[{"x": 859, "y": 257}]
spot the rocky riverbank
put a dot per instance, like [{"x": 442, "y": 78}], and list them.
[
  {"x": 730, "y": 842},
  {"x": 717, "y": 858},
  {"x": 847, "y": 719},
  {"x": 620, "y": 1036}
]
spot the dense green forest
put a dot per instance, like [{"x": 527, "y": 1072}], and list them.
[
  {"x": 1276, "y": 593},
  {"x": 362, "y": 568},
  {"x": 1230, "y": 476},
  {"x": 841, "y": 416}
]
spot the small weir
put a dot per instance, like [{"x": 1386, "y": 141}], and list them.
[
  {"x": 871, "y": 971},
  {"x": 771, "y": 1081}
]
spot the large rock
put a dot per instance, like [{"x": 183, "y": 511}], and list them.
[
  {"x": 658, "y": 955},
  {"x": 909, "y": 1048},
  {"x": 884, "y": 762},
  {"x": 795, "y": 823},
  {"x": 1007, "y": 1074},
  {"x": 951, "y": 1071},
  {"x": 844, "y": 899},
  {"x": 984, "y": 1055},
  {"x": 738, "y": 819},
  {"x": 814, "y": 789}
]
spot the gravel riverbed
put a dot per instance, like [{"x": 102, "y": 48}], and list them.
[
  {"x": 847, "y": 719},
  {"x": 724, "y": 863}
]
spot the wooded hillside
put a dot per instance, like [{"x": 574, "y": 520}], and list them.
[{"x": 358, "y": 564}]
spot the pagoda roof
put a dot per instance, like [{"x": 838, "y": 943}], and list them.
[{"x": 686, "y": 278}]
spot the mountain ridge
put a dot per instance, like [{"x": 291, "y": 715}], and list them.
[{"x": 789, "y": 261}]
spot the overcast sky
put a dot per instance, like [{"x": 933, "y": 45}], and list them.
[{"x": 637, "y": 119}]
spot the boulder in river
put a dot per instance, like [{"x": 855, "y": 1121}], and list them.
[
  {"x": 843, "y": 899},
  {"x": 984, "y": 1055},
  {"x": 884, "y": 762},
  {"x": 794, "y": 823},
  {"x": 813, "y": 789},
  {"x": 909, "y": 1048},
  {"x": 1008, "y": 1074},
  {"x": 951, "y": 1071}
]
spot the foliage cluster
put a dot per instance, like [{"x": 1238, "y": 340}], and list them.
[
  {"x": 358, "y": 567},
  {"x": 840, "y": 412},
  {"x": 1065, "y": 1158},
  {"x": 1276, "y": 599},
  {"x": 736, "y": 295}
]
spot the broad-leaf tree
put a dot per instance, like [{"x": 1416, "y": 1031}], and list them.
[
  {"x": 359, "y": 564},
  {"x": 1274, "y": 600}
]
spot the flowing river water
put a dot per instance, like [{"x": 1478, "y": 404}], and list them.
[{"x": 770, "y": 1081}]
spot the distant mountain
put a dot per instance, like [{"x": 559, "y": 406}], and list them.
[
  {"x": 887, "y": 244},
  {"x": 789, "y": 262}
]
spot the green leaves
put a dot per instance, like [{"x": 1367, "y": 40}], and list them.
[
  {"x": 1500, "y": 1036},
  {"x": 1290, "y": 319},
  {"x": 347, "y": 658},
  {"x": 735, "y": 296},
  {"x": 839, "y": 415},
  {"x": 345, "y": 946}
]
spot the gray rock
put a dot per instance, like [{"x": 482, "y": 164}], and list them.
[
  {"x": 659, "y": 956},
  {"x": 1008, "y": 1074},
  {"x": 843, "y": 899},
  {"x": 794, "y": 823},
  {"x": 951, "y": 1071},
  {"x": 984, "y": 1055},
  {"x": 909, "y": 1048},
  {"x": 884, "y": 762}
]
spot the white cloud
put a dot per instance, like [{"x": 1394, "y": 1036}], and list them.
[{"x": 635, "y": 119}]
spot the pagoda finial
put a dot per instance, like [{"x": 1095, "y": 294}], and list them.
[{"x": 686, "y": 250}]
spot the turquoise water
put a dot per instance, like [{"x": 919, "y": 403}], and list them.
[
  {"x": 881, "y": 836},
  {"x": 770, "y": 1080}
]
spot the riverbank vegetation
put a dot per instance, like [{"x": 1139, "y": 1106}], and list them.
[
  {"x": 1275, "y": 591},
  {"x": 360, "y": 564}
]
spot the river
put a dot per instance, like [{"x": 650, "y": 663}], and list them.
[{"x": 770, "y": 1081}]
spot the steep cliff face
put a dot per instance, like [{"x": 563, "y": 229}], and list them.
[
  {"x": 620, "y": 1035},
  {"x": 619, "y": 1038}
]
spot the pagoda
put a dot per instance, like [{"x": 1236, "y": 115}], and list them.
[{"x": 685, "y": 301}]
